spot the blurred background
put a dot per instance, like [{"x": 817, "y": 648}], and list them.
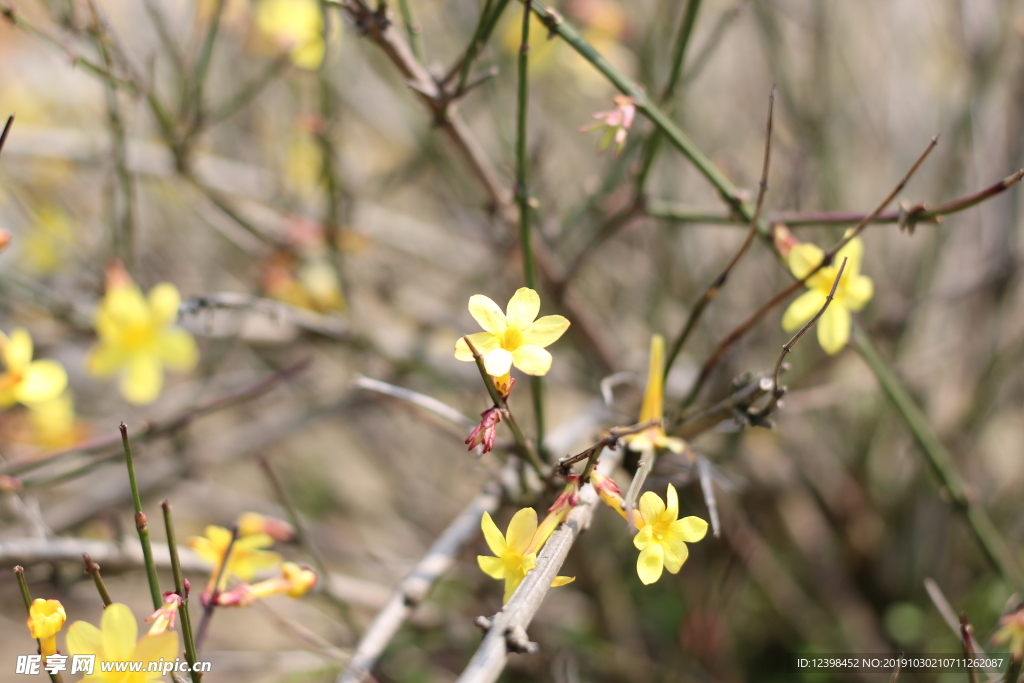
[{"x": 329, "y": 188}]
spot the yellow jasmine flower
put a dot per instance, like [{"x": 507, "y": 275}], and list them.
[
  {"x": 164, "y": 617},
  {"x": 1011, "y": 632},
  {"x": 853, "y": 292},
  {"x": 247, "y": 555},
  {"x": 295, "y": 581},
  {"x": 515, "y": 553},
  {"x": 138, "y": 337},
  {"x": 652, "y": 409},
  {"x": 517, "y": 338},
  {"x": 252, "y": 523},
  {"x": 117, "y": 640},
  {"x": 25, "y": 380},
  {"x": 53, "y": 423},
  {"x": 45, "y": 619},
  {"x": 296, "y": 24},
  {"x": 662, "y": 538}
]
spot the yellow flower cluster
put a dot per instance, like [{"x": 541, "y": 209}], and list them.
[{"x": 515, "y": 552}]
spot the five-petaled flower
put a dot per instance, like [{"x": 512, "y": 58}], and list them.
[
  {"x": 853, "y": 292},
  {"x": 45, "y": 619},
  {"x": 247, "y": 556},
  {"x": 616, "y": 124},
  {"x": 117, "y": 640},
  {"x": 662, "y": 538},
  {"x": 517, "y": 338},
  {"x": 138, "y": 337},
  {"x": 25, "y": 380},
  {"x": 515, "y": 553},
  {"x": 652, "y": 409}
]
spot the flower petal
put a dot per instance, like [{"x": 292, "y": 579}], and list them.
[
  {"x": 651, "y": 507},
  {"x": 802, "y": 309},
  {"x": 154, "y": 648},
  {"x": 498, "y": 362},
  {"x": 650, "y": 563},
  {"x": 120, "y": 631},
  {"x": 123, "y": 306},
  {"x": 484, "y": 342},
  {"x": 487, "y": 313},
  {"x": 803, "y": 258},
  {"x": 533, "y": 360},
  {"x": 545, "y": 331},
  {"x": 177, "y": 349},
  {"x": 672, "y": 504},
  {"x": 654, "y": 394},
  {"x": 521, "y": 530},
  {"x": 17, "y": 350},
  {"x": 853, "y": 252},
  {"x": 562, "y": 580},
  {"x": 494, "y": 567},
  {"x": 690, "y": 529},
  {"x": 857, "y": 291},
  {"x": 675, "y": 553},
  {"x": 164, "y": 301},
  {"x": 495, "y": 541},
  {"x": 834, "y": 328},
  {"x": 44, "y": 379},
  {"x": 643, "y": 537},
  {"x": 511, "y": 584},
  {"x": 104, "y": 360},
  {"x": 84, "y": 639},
  {"x": 523, "y": 308},
  {"x": 143, "y": 379}
]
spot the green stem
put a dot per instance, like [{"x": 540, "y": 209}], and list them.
[
  {"x": 26, "y": 596},
  {"x": 179, "y": 587},
  {"x": 203, "y": 66},
  {"x": 484, "y": 27},
  {"x": 941, "y": 462},
  {"x": 140, "y": 523},
  {"x": 93, "y": 570},
  {"x": 412, "y": 29}
]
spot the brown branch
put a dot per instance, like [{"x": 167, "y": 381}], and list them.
[{"x": 7, "y": 131}]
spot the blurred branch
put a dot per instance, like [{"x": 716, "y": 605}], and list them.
[
  {"x": 328, "y": 326},
  {"x": 7, "y": 131},
  {"x": 941, "y": 463},
  {"x": 422, "y": 401},
  {"x": 949, "y": 616}
]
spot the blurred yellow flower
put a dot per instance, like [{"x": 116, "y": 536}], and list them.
[
  {"x": 45, "y": 619},
  {"x": 662, "y": 538},
  {"x": 1011, "y": 632},
  {"x": 137, "y": 337},
  {"x": 45, "y": 246},
  {"x": 25, "y": 380},
  {"x": 53, "y": 423},
  {"x": 295, "y": 581},
  {"x": 515, "y": 554},
  {"x": 117, "y": 640},
  {"x": 297, "y": 25},
  {"x": 853, "y": 292},
  {"x": 247, "y": 554},
  {"x": 516, "y": 339},
  {"x": 652, "y": 409}
]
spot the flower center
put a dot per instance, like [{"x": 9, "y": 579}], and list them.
[
  {"x": 136, "y": 337},
  {"x": 511, "y": 339}
]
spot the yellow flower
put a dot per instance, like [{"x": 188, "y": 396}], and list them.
[
  {"x": 853, "y": 292},
  {"x": 247, "y": 556},
  {"x": 137, "y": 337},
  {"x": 25, "y": 380},
  {"x": 53, "y": 423},
  {"x": 45, "y": 619},
  {"x": 652, "y": 409},
  {"x": 662, "y": 538},
  {"x": 1011, "y": 632},
  {"x": 117, "y": 640},
  {"x": 516, "y": 552},
  {"x": 515, "y": 339},
  {"x": 295, "y": 581},
  {"x": 296, "y": 24}
]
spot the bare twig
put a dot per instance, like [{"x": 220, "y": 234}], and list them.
[
  {"x": 950, "y": 617},
  {"x": 7, "y": 131},
  {"x": 325, "y": 325},
  {"x": 422, "y": 401}
]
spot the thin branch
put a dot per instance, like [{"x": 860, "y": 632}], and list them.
[
  {"x": 325, "y": 325},
  {"x": 422, "y": 401},
  {"x": 93, "y": 570},
  {"x": 7, "y": 131},
  {"x": 949, "y": 616}
]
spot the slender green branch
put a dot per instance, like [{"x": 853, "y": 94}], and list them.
[
  {"x": 179, "y": 588},
  {"x": 93, "y": 570},
  {"x": 412, "y": 29},
  {"x": 202, "y": 68},
  {"x": 26, "y": 596},
  {"x": 941, "y": 462},
  {"x": 140, "y": 523},
  {"x": 485, "y": 26}
]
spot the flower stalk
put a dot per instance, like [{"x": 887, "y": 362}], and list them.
[{"x": 140, "y": 523}]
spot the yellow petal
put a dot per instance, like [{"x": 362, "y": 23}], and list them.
[
  {"x": 802, "y": 309},
  {"x": 562, "y": 580},
  {"x": 177, "y": 349},
  {"x": 857, "y": 291},
  {"x": 84, "y": 639},
  {"x": 651, "y": 507},
  {"x": 164, "y": 301},
  {"x": 834, "y": 328},
  {"x": 643, "y": 537},
  {"x": 498, "y": 362},
  {"x": 104, "y": 360},
  {"x": 675, "y": 554},
  {"x": 142, "y": 380},
  {"x": 521, "y": 530},
  {"x": 44, "y": 380},
  {"x": 494, "y": 538},
  {"x": 310, "y": 55},
  {"x": 650, "y": 563},
  {"x": 154, "y": 648},
  {"x": 545, "y": 331},
  {"x": 487, "y": 313},
  {"x": 804, "y": 258},
  {"x": 672, "y": 504},
  {"x": 120, "y": 631},
  {"x": 652, "y": 407},
  {"x": 511, "y": 584},
  {"x": 853, "y": 252},
  {"x": 484, "y": 342},
  {"x": 494, "y": 567},
  {"x": 125, "y": 306},
  {"x": 532, "y": 360},
  {"x": 17, "y": 350},
  {"x": 690, "y": 529},
  {"x": 523, "y": 308}
]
